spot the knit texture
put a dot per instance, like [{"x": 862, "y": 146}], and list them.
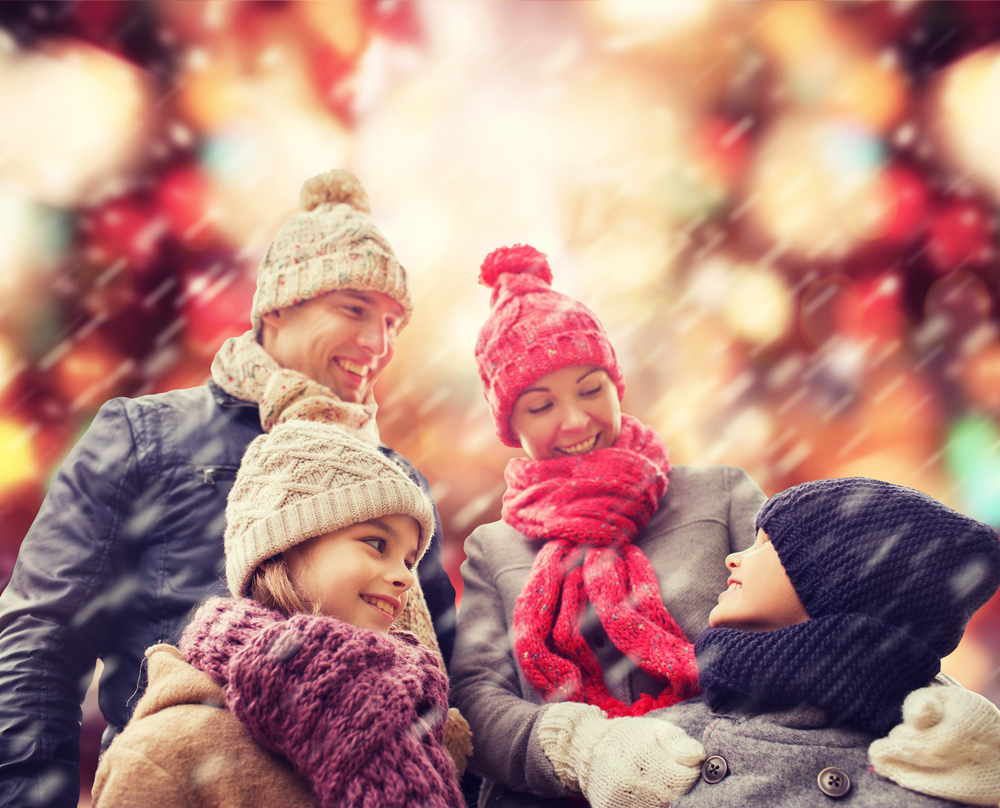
[
  {"x": 588, "y": 509},
  {"x": 532, "y": 331},
  {"x": 245, "y": 370},
  {"x": 330, "y": 244},
  {"x": 948, "y": 745},
  {"x": 358, "y": 714},
  {"x": 306, "y": 479},
  {"x": 619, "y": 763},
  {"x": 889, "y": 578},
  {"x": 861, "y": 546},
  {"x": 858, "y": 669}
]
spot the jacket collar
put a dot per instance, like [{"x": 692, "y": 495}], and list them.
[{"x": 224, "y": 399}]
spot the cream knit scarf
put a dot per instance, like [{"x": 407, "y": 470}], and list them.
[{"x": 245, "y": 370}]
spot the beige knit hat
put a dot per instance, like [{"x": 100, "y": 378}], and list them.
[
  {"x": 330, "y": 244},
  {"x": 305, "y": 479}
]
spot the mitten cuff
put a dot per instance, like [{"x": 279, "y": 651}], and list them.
[{"x": 568, "y": 733}]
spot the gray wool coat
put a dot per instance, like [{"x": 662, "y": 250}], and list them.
[
  {"x": 706, "y": 514},
  {"x": 776, "y": 759}
]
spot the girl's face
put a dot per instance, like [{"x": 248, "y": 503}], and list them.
[
  {"x": 361, "y": 573},
  {"x": 760, "y": 596},
  {"x": 568, "y": 412}
]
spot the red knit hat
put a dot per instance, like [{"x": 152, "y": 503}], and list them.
[{"x": 531, "y": 332}]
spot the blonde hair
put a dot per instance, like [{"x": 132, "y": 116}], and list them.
[{"x": 271, "y": 586}]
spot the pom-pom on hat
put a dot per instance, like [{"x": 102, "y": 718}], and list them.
[
  {"x": 531, "y": 332},
  {"x": 306, "y": 479},
  {"x": 867, "y": 547},
  {"x": 330, "y": 244}
]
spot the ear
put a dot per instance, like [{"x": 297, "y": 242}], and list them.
[{"x": 272, "y": 317}]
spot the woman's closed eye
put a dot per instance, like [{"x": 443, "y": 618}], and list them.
[
  {"x": 540, "y": 408},
  {"x": 592, "y": 391}
]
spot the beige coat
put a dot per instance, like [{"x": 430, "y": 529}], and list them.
[{"x": 184, "y": 748}]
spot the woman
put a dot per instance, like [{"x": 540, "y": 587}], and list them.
[
  {"x": 593, "y": 476},
  {"x": 602, "y": 572}
]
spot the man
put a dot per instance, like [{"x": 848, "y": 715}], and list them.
[{"x": 129, "y": 538}]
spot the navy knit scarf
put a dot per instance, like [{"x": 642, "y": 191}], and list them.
[{"x": 856, "y": 668}]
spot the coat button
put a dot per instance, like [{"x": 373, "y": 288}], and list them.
[
  {"x": 834, "y": 782},
  {"x": 714, "y": 769}
]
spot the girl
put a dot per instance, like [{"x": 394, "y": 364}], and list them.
[
  {"x": 295, "y": 692},
  {"x": 852, "y": 592},
  {"x": 604, "y": 568}
]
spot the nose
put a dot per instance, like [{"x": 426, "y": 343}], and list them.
[
  {"x": 733, "y": 560},
  {"x": 574, "y": 419},
  {"x": 402, "y": 577},
  {"x": 374, "y": 337}
]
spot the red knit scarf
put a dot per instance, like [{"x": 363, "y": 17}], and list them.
[{"x": 588, "y": 510}]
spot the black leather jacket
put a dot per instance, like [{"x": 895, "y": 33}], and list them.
[{"x": 127, "y": 542}]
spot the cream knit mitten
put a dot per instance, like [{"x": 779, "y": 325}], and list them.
[
  {"x": 948, "y": 746},
  {"x": 619, "y": 762}
]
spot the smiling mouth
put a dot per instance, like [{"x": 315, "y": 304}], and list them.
[
  {"x": 353, "y": 367},
  {"x": 380, "y": 604},
  {"x": 582, "y": 447}
]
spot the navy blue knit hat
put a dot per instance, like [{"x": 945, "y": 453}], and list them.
[{"x": 861, "y": 546}]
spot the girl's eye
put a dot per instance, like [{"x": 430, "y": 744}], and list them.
[
  {"x": 378, "y": 544},
  {"x": 537, "y": 410},
  {"x": 592, "y": 392},
  {"x": 410, "y": 565},
  {"x": 357, "y": 311}
]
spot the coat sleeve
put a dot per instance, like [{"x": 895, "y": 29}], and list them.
[
  {"x": 128, "y": 778},
  {"x": 54, "y": 612},
  {"x": 353, "y": 711},
  {"x": 486, "y": 688}
]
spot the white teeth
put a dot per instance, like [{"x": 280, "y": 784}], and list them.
[
  {"x": 352, "y": 367},
  {"x": 735, "y": 585},
  {"x": 378, "y": 603},
  {"x": 578, "y": 448}
]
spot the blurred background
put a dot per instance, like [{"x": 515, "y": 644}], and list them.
[{"x": 785, "y": 214}]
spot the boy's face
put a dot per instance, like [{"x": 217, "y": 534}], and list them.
[
  {"x": 760, "y": 596},
  {"x": 360, "y": 574}
]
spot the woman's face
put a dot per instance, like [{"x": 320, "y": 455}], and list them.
[
  {"x": 760, "y": 596},
  {"x": 568, "y": 412}
]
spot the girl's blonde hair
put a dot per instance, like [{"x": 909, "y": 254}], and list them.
[{"x": 271, "y": 586}]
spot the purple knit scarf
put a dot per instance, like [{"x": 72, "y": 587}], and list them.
[{"x": 359, "y": 715}]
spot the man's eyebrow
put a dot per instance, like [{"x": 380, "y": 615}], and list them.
[
  {"x": 358, "y": 295},
  {"x": 370, "y": 300}
]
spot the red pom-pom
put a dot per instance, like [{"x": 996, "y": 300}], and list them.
[{"x": 520, "y": 259}]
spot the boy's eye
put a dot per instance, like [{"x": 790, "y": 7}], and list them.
[{"x": 378, "y": 544}]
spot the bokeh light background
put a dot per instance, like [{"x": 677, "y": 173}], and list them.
[{"x": 785, "y": 214}]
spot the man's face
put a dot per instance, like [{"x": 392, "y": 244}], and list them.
[{"x": 342, "y": 339}]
